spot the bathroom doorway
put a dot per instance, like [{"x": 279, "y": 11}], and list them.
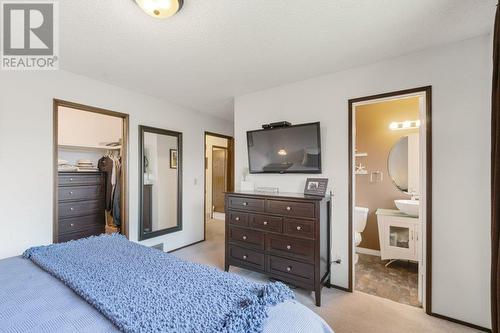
[{"x": 390, "y": 196}]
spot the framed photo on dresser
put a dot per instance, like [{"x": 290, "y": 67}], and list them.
[{"x": 316, "y": 186}]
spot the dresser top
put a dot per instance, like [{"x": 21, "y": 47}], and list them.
[{"x": 280, "y": 195}]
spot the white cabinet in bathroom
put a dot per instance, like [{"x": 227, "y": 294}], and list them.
[{"x": 399, "y": 235}]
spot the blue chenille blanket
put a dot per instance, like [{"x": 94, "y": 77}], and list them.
[{"x": 145, "y": 290}]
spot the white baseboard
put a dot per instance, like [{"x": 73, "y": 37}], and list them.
[{"x": 368, "y": 251}]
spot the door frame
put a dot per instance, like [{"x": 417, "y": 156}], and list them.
[
  {"x": 215, "y": 147},
  {"x": 230, "y": 171},
  {"x": 427, "y": 182},
  {"x": 125, "y": 156}
]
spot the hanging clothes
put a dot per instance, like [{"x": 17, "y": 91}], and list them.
[
  {"x": 117, "y": 196},
  {"x": 106, "y": 165},
  {"x": 111, "y": 165}
]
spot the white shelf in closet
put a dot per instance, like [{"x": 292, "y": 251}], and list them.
[
  {"x": 88, "y": 147},
  {"x": 361, "y": 154}
]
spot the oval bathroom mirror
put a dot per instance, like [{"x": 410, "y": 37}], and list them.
[{"x": 403, "y": 166}]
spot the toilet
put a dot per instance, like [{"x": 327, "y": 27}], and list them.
[{"x": 359, "y": 223}]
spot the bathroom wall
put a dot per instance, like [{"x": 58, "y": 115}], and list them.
[{"x": 374, "y": 137}]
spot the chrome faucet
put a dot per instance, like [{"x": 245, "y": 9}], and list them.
[{"x": 414, "y": 195}]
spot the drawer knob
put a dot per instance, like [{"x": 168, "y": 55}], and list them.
[
  {"x": 299, "y": 228},
  {"x": 237, "y": 218},
  {"x": 70, "y": 192},
  {"x": 245, "y": 204},
  {"x": 288, "y": 208},
  {"x": 71, "y": 209},
  {"x": 71, "y": 224},
  {"x": 288, "y": 247},
  {"x": 289, "y": 268},
  {"x": 245, "y": 257},
  {"x": 244, "y": 237},
  {"x": 265, "y": 222},
  {"x": 71, "y": 179}
]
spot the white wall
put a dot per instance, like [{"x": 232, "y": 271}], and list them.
[
  {"x": 209, "y": 143},
  {"x": 76, "y": 127},
  {"x": 460, "y": 75},
  {"x": 26, "y": 153},
  {"x": 80, "y": 128}
]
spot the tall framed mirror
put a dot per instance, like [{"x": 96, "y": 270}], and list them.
[{"x": 160, "y": 173}]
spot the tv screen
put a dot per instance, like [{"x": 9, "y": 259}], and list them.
[{"x": 292, "y": 149}]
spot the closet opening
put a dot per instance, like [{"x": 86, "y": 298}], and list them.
[{"x": 90, "y": 171}]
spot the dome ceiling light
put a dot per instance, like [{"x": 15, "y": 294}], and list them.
[{"x": 160, "y": 8}]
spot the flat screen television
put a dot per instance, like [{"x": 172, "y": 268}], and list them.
[{"x": 291, "y": 149}]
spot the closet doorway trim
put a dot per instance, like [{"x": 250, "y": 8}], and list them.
[{"x": 57, "y": 103}]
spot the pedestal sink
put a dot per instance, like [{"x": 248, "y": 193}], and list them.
[{"x": 409, "y": 207}]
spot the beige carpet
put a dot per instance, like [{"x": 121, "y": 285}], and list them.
[{"x": 345, "y": 312}]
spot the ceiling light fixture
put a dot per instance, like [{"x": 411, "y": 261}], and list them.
[
  {"x": 282, "y": 152},
  {"x": 160, "y": 8}
]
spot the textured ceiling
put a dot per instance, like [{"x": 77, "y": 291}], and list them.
[{"x": 214, "y": 50}]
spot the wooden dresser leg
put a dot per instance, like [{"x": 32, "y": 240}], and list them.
[
  {"x": 317, "y": 296},
  {"x": 226, "y": 268}
]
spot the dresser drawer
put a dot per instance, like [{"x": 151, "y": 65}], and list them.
[
  {"x": 238, "y": 218},
  {"x": 246, "y": 257},
  {"x": 291, "y": 270},
  {"x": 248, "y": 204},
  {"x": 290, "y": 247},
  {"x": 71, "y": 209},
  {"x": 287, "y": 208},
  {"x": 75, "y": 224},
  {"x": 80, "y": 179},
  {"x": 80, "y": 234},
  {"x": 88, "y": 192},
  {"x": 266, "y": 223},
  {"x": 298, "y": 228},
  {"x": 247, "y": 237}
]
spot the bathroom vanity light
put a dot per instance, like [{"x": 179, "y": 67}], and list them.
[
  {"x": 404, "y": 125},
  {"x": 160, "y": 8}
]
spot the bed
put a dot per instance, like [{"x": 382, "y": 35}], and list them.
[{"x": 36, "y": 297}]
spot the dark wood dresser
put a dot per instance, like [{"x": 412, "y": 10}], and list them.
[
  {"x": 286, "y": 236},
  {"x": 81, "y": 203}
]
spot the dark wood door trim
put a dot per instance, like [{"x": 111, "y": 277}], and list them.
[
  {"x": 230, "y": 178},
  {"x": 428, "y": 200},
  {"x": 125, "y": 159}
]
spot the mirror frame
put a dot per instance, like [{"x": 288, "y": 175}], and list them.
[{"x": 178, "y": 135}]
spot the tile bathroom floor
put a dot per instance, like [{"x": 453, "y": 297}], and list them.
[{"x": 398, "y": 282}]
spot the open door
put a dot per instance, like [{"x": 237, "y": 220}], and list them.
[{"x": 219, "y": 178}]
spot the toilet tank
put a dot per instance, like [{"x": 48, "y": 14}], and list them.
[{"x": 359, "y": 218}]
